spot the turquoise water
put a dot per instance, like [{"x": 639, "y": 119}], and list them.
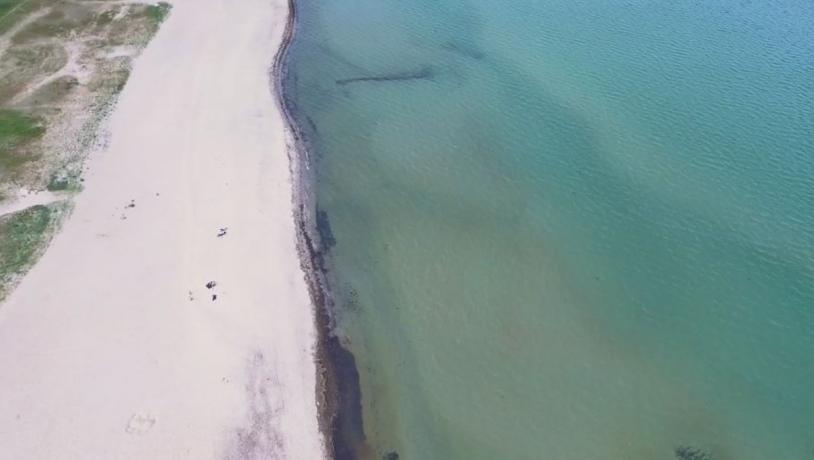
[{"x": 569, "y": 229}]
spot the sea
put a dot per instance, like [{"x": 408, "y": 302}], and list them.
[{"x": 567, "y": 229}]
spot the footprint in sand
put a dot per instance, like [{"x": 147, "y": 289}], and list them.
[{"x": 140, "y": 423}]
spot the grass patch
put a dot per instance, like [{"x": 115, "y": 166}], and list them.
[
  {"x": 19, "y": 66},
  {"x": 62, "y": 182},
  {"x": 52, "y": 92},
  {"x": 61, "y": 22},
  {"x": 59, "y": 184},
  {"x": 111, "y": 82},
  {"x": 106, "y": 17},
  {"x": 12, "y": 11},
  {"x": 16, "y": 131},
  {"x": 22, "y": 235},
  {"x": 7, "y": 5},
  {"x": 53, "y": 24},
  {"x": 158, "y": 11},
  {"x": 40, "y": 59}
]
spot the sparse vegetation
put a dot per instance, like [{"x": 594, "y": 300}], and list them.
[
  {"x": 20, "y": 66},
  {"x": 16, "y": 132},
  {"x": 62, "y": 64},
  {"x": 158, "y": 12},
  {"x": 8, "y": 5},
  {"x": 11, "y": 11},
  {"x": 22, "y": 235},
  {"x": 16, "y": 129},
  {"x": 61, "y": 183},
  {"x": 51, "y": 93},
  {"x": 60, "y": 22},
  {"x": 106, "y": 17}
]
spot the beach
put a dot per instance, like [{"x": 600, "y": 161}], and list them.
[{"x": 170, "y": 318}]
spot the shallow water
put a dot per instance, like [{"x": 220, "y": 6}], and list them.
[{"x": 569, "y": 229}]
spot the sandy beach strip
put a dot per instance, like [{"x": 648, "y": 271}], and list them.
[{"x": 113, "y": 346}]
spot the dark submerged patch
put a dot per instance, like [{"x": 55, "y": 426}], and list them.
[
  {"x": 326, "y": 236},
  {"x": 425, "y": 73},
  {"x": 691, "y": 453},
  {"x": 347, "y": 428},
  {"x": 463, "y": 50}
]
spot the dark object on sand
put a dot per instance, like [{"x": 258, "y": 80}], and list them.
[
  {"x": 222, "y": 231},
  {"x": 691, "y": 453},
  {"x": 132, "y": 204},
  {"x": 211, "y": 284},
  {"x": 214, "y": 297}
]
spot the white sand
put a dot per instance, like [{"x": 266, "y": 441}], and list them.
[
  {"x": 25, "y": 199},
  {"x": 102, "y": 353}
]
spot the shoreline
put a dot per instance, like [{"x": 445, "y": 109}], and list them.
[
  {"x": 145, "y": 330},
  {"x": 337, "y": 390}
]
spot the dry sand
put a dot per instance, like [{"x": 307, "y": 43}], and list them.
[{"x": 112, "y": 347}]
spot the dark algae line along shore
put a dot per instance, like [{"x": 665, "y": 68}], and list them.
[
  {"x": 559, "y": 229},
  {"x": 338, "y": 393}
]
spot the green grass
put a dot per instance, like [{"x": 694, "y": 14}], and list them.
[
  {"x": 51, "y": 93},
  {"x": 65, "y": 180},
  {"x": 22, "y": 235},
  {"x": 16, "y": 131},
  {"x": 8, "y": 5},
  {"x": 106, "y": 17},
  {"x": 12, "y": 11},
  {"x": 158, "y": 12},
  {"x": 53, "y": 25},
  {"x": 59, "y": 184},
  {"x": 22, "y": 65}
]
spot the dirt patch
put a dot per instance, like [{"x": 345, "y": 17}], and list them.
[{"x": 259, "y": 438}]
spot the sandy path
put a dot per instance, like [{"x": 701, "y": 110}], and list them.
[
  {"x": 26, "y": 199},
  {"x": 112, "y": 347}
]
